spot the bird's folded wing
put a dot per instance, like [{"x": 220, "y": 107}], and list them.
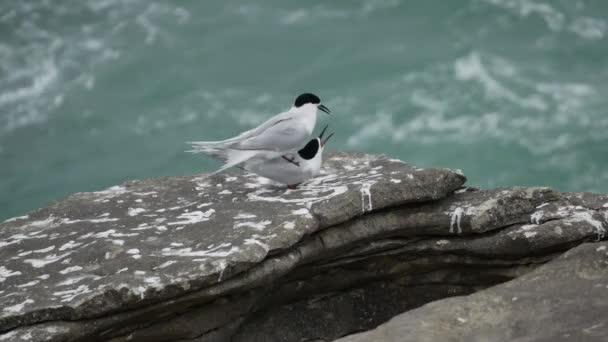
[
  {"x": 257, "y": 130},
  {"x": 281, "y": 136}
]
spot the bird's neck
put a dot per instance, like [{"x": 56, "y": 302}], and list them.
[
  {"x": 308, "y": 115},
  {"x": 315, "y": 163}
]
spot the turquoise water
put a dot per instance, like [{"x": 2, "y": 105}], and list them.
[{"x": 93, "y": 93}]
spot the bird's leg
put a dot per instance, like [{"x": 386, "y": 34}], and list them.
[
  {"x": 292, "y": 186},
  {"x": 292, "y": 160}
]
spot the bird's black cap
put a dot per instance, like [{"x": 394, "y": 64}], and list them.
[
  {"x": 306, "y": 98},
  {"x": 310, "y": 150}
]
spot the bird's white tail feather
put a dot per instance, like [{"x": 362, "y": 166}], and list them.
[
  {"x": 202, "y": 146},
  {"x": 217, "y": 144},
  {"x": 235, "y": 157},
  {"x": 215, "y": 152},
  {"x": 198, "y": 148}
]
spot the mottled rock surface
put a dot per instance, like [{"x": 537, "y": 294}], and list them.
[{"x": 232, "y": 257}]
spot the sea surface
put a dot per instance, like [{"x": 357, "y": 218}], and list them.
[{"x": 96, "y": 92}]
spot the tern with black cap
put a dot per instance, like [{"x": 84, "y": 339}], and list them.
[
  {"x": 282, "y": 134},
  {"x": 296, "y": 167}
]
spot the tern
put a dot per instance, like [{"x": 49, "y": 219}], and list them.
[
  {"x": 295, "y": 168},
  {"x": 282, "y": 134}
]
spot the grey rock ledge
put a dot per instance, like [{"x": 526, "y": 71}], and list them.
[{"x": 230, "y": 257}]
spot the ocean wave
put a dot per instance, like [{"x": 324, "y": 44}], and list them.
[
  {"x": 557, "y": 20},
  {"x": 427, "y": 128},
  {"x": 589, "y": 28},
  {"x": 42, "y": 78},
  {"x": 497, "y": 100},
  {"x": 471, "y": 68},
  {"x": 554, "y": 19},
  {"x": 53, "y": 50},
  {"x": 287, "y": 14}
]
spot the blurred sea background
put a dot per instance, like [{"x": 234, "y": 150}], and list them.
[{"x": 96, "y": 92}]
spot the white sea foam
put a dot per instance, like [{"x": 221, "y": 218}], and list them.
[{"x": 472, "y": 68}]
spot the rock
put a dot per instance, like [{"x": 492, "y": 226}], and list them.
[
  {"x": 143, "y": 242},
  {"x": 564, "y": 300},
  {"x": 228, "y": 257}
]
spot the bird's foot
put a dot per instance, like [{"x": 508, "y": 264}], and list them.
[{"x": 292, "y": 160}]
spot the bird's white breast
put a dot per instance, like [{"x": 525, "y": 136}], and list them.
[{"x": 307, "y": 116}]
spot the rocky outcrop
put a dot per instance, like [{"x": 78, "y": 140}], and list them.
[
  {"x": 230, "y": 257},
  {"x": 564, "y": 300}
]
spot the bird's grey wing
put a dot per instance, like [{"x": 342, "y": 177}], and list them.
[
  {"x": 257, "y": 130},
  {"x": 282, "y": 135}
]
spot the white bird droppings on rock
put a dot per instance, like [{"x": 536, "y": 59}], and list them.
[
  {"x": 153, "y": 282},
  {"x": 49, "y": 259},
  {"x": 220, "y": 251},
  {"x": 366, "y": 195},
  {"x": 8, "y": 336},
  {"x": 103, "y": 235},
  {"x": 26, "y": 337},
  {"x": 69, "y": 245},
  {"x": 392, "y": 160},
  {"x": 586, "y": 216},
  {"x": 242, "y": 215},
  {"x": 301, "y": 212},
  {"x": 28, "y": 284},
  {"x": 74, "y": 280},
  {"x": 537, "y": 216},
  {"x": 17, "y": 307},
  {"x": 69, "y": 295},
  {"x": 70, "y": 269},
  {"x": 109, "y": 193},
  {"x": 23, "y": 218},
  {"x": 5, "y": 273},
  {"x": 135, "y": 211},
  {"x": 193, "y": 217},
  {"x": 166, "y": 264},
  {"x": 204, "y": 205},
  {"x": 145, "y": 193},
  {"x": 257, "y": 243},
  {"x": 456, "y": 218},
  {"x": 255, "y": 225}
]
